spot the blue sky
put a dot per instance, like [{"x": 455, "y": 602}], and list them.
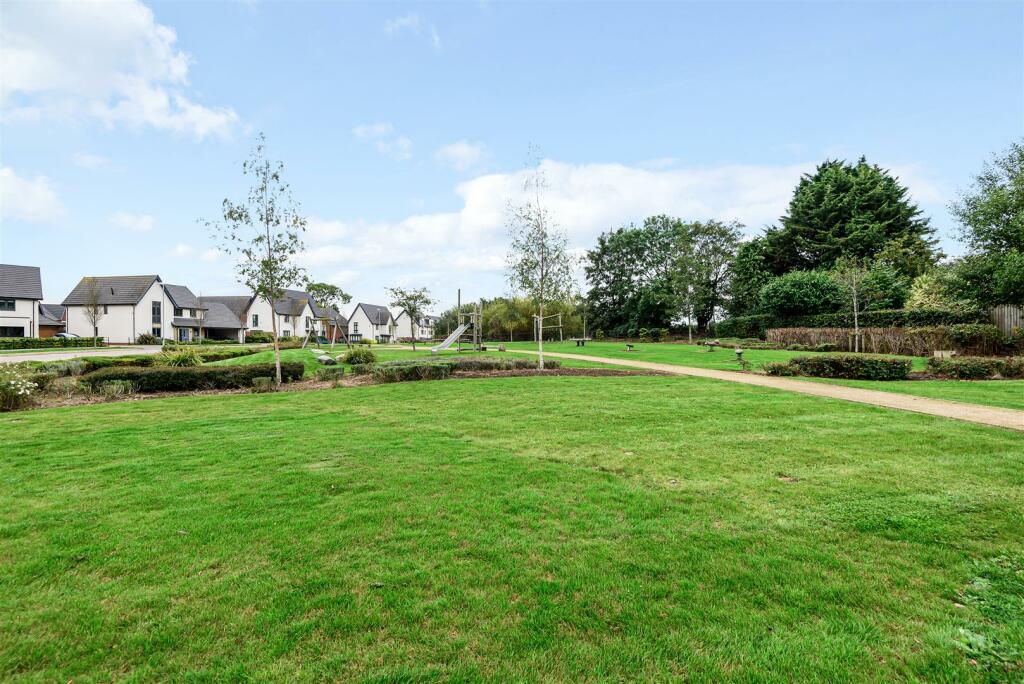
[{"x": 404, "y": 128}]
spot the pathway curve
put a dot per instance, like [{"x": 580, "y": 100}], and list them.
[
  {"x": 75, "y": 353},
  {"x": 972, "y": 413}
]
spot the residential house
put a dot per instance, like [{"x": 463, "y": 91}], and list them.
[
  {"x": 371, "y": 321},
  {"x": 52, "y": 319},
  {"x": 205, "y": 317},
  {"x": 421, "y": 329},
  {"x": 21, "y": 290},
  {"x": 125, "y": 307},
  {"x": 294, "y": 312}
]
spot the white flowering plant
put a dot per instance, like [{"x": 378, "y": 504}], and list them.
[{"x": 16, "y": 387}]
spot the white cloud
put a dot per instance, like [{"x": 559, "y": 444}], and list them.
[
  {"x": 89, "y": 161},
  {"x": 211, "y": 254},
  {"x": 466, "y": 246},
  {"x": 412, "y": 24},
  {"x": 106, "y": 60},
  {"x": 26, "y": 199},
  {"x": 382, "y": 135},
  {"x": 138, "y": 223},
  {"x": 460, "y": 155},
  {"x": 181, "y": 250}
]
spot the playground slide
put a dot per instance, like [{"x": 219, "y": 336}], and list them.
[{"x": 456, "y": 334}]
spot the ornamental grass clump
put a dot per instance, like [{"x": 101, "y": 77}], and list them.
[
  {"x": 16, "y": 388},
  {"x": 180, "y": 358}
]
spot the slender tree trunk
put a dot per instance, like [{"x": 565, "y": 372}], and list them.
[
  {"x": 540, "y": 335},
  {"x": 277, "y": 345},
  {"x": 856, "y": 322}
]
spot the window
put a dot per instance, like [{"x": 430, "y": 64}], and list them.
[
  {"x": 156, "y": 331},
  {"x": 183, "y": 334},
  {"x": 287, "y": 318},
  {"x": 177, "y": 312},
  {"x": 10, "y": 331},
  {"x": 355, "y": 327},
  {"x": 105, "y": 309},
  {"x": 192, "y": 313},
  {"x": 286, "y": 333},
  {"x": 255, "y": 320},
  {"x": 309, "y": 322},
  {"x": 7, "y": 304},
  {"x": 156, "y": 312}
]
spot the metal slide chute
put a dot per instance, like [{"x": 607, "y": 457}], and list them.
[{"x": 450, "y": 340}]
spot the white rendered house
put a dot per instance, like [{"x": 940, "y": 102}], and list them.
[{"x": 21, "y": 291}]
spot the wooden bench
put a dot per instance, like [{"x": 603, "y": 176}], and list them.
[{"x": 580, "y": 341}]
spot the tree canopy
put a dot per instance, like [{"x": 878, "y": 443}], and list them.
[{"x": 850, "y": 210}]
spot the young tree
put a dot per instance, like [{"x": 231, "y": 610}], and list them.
[
  {"x": 92, "y": 309},
  {"x": 201, "y": 316},
  {"x": 852, "y": 273},
  {"x": 264, "y": 234},
  {"x": 414, "y": 303},
  {"x": 538, "y": 261}
]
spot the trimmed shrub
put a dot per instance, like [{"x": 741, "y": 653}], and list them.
[
  {"x": 47, "y": 342},
  {"x": 146, "y": 338},
  {"x": 330, "y": 373},
  {"x": 977, "y": 368},
  {"x": 258, "y": 336},
  {"x": 778, "y": 368},
  {"x": 966, "y": 338},
  {"x": 114, "y": 389},
  {"x": 179, "y": 358},
  {"x": 359, "y": 355},
  {"x": 66, "y": 368},
  {"x": 264, "y": 384},
  {"x": 852, "y": 367},
  {"x": 362, "y": 368},
  {"x": 800, "y": 293},
  {"x": 744, "y": 326},
  {"x": 96, "y": 362},
  {"x": 190, "y": 378},
  {"x": 409, "y": 372}
]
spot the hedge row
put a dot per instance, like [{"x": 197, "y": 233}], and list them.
[
  {"x": 438, "y": 369},
  {"x": 847, "y": 366},
  {"x": 48, "y": 342},
  {"x": 968, "y": 338},
  {"x": 190, "y": 378},
  {"x": 977, "y": 368},
  {"x": 758, "y": 325}
]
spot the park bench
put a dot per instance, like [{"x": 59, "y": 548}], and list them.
[
  {"x": 629, "y": 347},
  {"x": 580, "y": 341}
]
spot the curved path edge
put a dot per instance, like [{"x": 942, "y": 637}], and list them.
[{"x": 971, "y": 413}]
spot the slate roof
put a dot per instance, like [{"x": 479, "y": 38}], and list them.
[
  {"x": 181, "y": 297},
  {"x": 237, "y": 304},
  {"x": 378, "y": 315},
  {"x": 20, "y": 282},
  {"x": 293, "y": 303},
  {"x": 112, "y": 289},
  {"x": 218, "y": 315},
  {"x": 51, "y": 314}
]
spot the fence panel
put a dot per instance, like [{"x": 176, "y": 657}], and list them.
[{"x": 1007, "y": 317}]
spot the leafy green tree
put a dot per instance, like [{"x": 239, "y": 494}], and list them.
[
  {"x": 802, "y": 293},
  {"x": 884, "y": 287},
  {"x": 701, "y": 268},
  {"x": 991, "y": 216},
  {"x": 629, "y": 276},
  {"x": 937, "y": 289},
  {"x": 414, "y": 303},
  {"x": 263, "y": 232},
  {"x": 853, "y": 210},
  {"x": 749, "y": 271}
]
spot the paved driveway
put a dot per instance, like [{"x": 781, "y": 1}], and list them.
[{"x": 76, "y": 353}]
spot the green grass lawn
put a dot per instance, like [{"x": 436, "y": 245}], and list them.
[
  {"x": 1004, "y": 393},
  {"x": 512, "y": 529}
]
